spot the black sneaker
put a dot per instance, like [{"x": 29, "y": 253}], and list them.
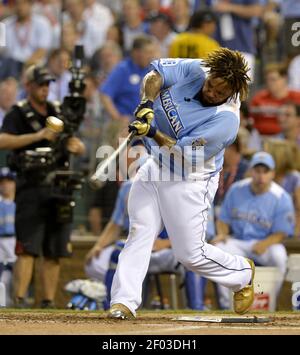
[{"x": 47, "y": 304}]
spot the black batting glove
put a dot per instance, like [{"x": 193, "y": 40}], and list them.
[
  {"x": 144, "y": 111},
  {"x": 142, "y": 129}
]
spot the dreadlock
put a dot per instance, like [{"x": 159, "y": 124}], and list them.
[{"x": 232, "y": 68}]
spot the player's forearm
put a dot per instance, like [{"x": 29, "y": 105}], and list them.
[
  {"x": 275, "y": 238},
  {"x": 109, "y": 235},
  {"x": 222, "y": 228},
  {"x": 12, "y": 141},
  {"x": 151, "y": 86},
  {"x": 163, "y": 140},
  {"x": 246, "y": 11}
]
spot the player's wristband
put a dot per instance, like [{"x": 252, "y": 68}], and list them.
[
  {"x": 147, "y": 104},
  {"x": 152, "y": 132}
]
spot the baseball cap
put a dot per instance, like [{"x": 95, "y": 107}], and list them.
[
  {"x": 6, "y": 173},
  {"x": 38, "y": 74},
  {"x": 262, "y": 158}
]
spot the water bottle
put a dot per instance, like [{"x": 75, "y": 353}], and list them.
[{"x": 2, "y": 295}]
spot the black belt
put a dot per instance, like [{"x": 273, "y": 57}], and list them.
[{"x": 6, "y": 235}]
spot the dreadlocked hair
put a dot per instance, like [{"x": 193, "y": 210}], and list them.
[{"x": 232, "y": 67}]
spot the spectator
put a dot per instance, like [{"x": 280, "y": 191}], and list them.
[
  {"x": 289, "y": 121},
  {"x": 58, "y": 64},
  {"x": 197, "y": 42},
  {"x": 235, "y": 30},
  {"x": 98, "y": 12},
  {"x": 234, "y": 169},
  {"x": 115, "y": 34},
  {"x": 161, "y": 29},
  {"x": 50, "y": 9},
  {"x": 120, "y": 92},
  {"x": 256, "y": 216},
  {"x": 70, "y": 37},
  {"x": 8, "y": 95},
  {"x": 250, "y": 137},
  {"x": 265, "y": 104},
  {"x": 287, "y": 159},
  {"x": 132, "y": 24},
  {"x": 91, "y": 32},
  {"x": 105, "y": 59},
  {"x": 7, "y": 230},
  {"x": 28, "y": 36},
  {"x": 181, "y": 15}
]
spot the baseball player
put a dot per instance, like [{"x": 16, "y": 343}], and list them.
[
  {"x": 196, "y": 106},
  {"x": 255, "y": 217}
]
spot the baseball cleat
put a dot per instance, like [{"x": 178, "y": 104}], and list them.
[
  {"x": 119, "y": 311},
  {"x": 243, "y": 299}
]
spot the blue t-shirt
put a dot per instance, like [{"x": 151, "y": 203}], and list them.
[
  {"x": 252, "y": 216},
  {"x": 243, "y": 39},
  {"x": 179, "y": 114},
  {"x": 123, "y": 86},
  {"x": 7, "y": 217}
]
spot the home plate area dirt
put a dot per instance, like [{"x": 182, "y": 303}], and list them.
[{"x": 147, "y": 323}]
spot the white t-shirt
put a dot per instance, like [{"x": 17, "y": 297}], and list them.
[{"x": 23, "y": 40}]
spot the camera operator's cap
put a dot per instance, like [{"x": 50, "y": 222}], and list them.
[
  {"x": 262, "y": 158},
  {"x": 38, "y": 74},
  {"x": 6, "y": 173}
]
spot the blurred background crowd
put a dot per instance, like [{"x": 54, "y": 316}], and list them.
[{"x": 121, "y": 38}]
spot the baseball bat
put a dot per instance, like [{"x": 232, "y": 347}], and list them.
[{"x": 97, "y": 179}]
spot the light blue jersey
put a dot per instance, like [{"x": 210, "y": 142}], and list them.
[
  {"x": 7, "y": 217},
  {"x": 179, "y": 114},
  {"x": 252, "y": 216}
]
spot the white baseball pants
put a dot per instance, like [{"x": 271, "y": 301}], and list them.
[{"x": 182, "y": 208}]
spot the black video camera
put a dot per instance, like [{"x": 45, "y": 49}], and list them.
[{"x": 73, "y": 106}]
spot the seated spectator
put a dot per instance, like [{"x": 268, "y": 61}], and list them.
[
  {"x": 234, "y": 169},
  {"x": 91, "y": 33},
  {"x": 58, "y": 65},
  {"x": 289, "y": 121},
  {"x": 8, "y": 96},
  {"x": 235, "y": 28},
  {"x": 265, "y": 105},
  {"x": 154, "y": 7},
  {"x": 132, "y": 24},
  {"x": 198, "y": 41},
  {"x": 105, "y": 59},
  {"x": 287, "y": 159},
  {"x": 28, "y": 36},
  {"x": 161, "y": 28},
  {"x": 256, "y": 216},
  {"x": 250, "y": 138},
  {"x": 7, "y": 231},
  {"x": 181, "y": 13}
]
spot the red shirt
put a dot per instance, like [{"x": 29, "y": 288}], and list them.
[{"x": 264, "y": 110}]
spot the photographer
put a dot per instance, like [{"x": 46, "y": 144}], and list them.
[{"x": 38, "y": 228}]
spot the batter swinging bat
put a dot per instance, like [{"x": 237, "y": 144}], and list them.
[{"x": 97, "y": 179}]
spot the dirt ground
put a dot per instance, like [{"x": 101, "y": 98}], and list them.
[{"x": 147, "y": 323}]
